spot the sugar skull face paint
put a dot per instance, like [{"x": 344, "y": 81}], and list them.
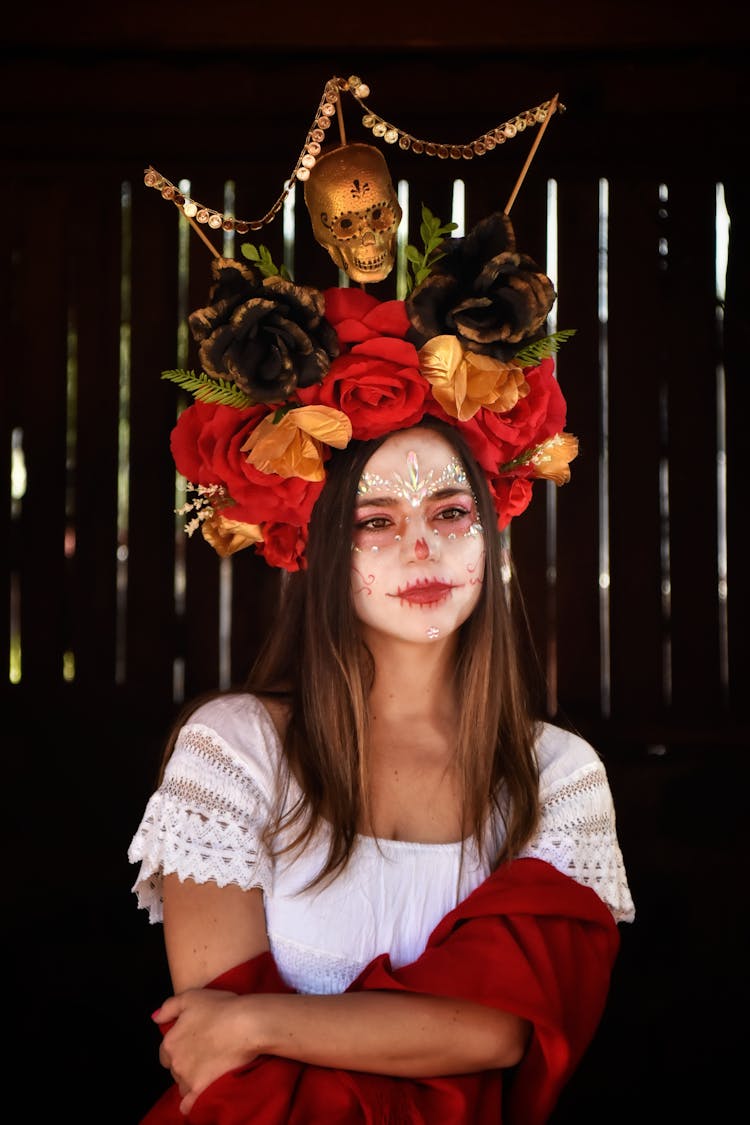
[
  {"x": 418, "y": 547},
  {"x": 415, "y": 487}
]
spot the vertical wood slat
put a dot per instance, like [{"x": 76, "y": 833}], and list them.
[
  {"x": 11, "y": 318},
  {"x": 150, "y": 622},
  {"x": 96, "y": 295},
  {"x": 40, "y": 370},
  {"x": 578, "y": 623},
  {"x": 736, "y": 348},
  {"x": 689, "y": 361},
  {"x": 635, "y": 333}
]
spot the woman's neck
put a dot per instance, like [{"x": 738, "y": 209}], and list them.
[
  {"x": 413, "y": 681},
  {"x": 414, "y": 792}
]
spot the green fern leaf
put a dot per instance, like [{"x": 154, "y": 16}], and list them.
[
  {"x": 540, "y": 349},
  {"x": 206, "y": 389}
]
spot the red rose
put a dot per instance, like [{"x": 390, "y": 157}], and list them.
[
  {"x": 498, "y": 438},
  {"x": 269, "y": 497},
  {"x": 204, "y": 429},
  {"x": 511, "y": 496},
  {"x": 207, "y": 445},
  {"x": 283, "y": 545},
  {"x": 358, "y": 316},
  {"x": 377, "y": 385}
]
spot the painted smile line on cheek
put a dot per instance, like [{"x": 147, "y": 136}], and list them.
[{"x": 425, "y": 591}]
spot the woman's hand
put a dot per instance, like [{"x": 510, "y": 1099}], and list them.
[{"x": 211, "y": 1034}]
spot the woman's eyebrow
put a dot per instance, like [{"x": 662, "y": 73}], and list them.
[
  {"x": 442, "y": 493},
  {"x": 384, "y": 501}
]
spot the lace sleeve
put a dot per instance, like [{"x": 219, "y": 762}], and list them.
[
  {"x": 203, "y": 822},
  {"x": 577, "y": 835}
]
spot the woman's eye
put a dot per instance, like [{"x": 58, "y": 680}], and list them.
[
  {"x": 453, "y": 513},
  {"x": 374, "y": 523}
]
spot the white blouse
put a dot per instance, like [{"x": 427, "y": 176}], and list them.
[{"x": 205, "y": 822}]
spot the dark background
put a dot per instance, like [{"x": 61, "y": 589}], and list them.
[{"x": 90, "y": 95}]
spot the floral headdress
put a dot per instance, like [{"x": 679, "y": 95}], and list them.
[{"x": 290, "y": 372}]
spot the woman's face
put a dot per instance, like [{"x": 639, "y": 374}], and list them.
[{"x": 417, "y": 547}]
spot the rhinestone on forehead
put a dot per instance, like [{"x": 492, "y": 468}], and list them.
[{"x": 415, "y": 488}]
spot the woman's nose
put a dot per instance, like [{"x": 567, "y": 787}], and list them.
[{"x": 419, "y": 542}]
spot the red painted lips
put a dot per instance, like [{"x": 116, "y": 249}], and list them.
[{"x": 425, "y": 591}]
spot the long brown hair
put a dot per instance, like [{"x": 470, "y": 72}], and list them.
[{"x": 316, "y": 658}]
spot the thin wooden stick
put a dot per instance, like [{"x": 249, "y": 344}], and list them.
[
  {"x": 340, "y": 117},
  {"x": 530, "y": 157},
  {"x": 198, "y": 231}
]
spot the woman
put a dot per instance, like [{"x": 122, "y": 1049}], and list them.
[{"x": 389, "y": 893}]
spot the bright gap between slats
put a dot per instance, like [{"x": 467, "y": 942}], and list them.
[
  {"x": 123, "y": 436},
  {"x": 722, "y": 227},
  {"x": 605, "y": 647}
]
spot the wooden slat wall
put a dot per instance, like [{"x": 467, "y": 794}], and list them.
[
  {"x": 81, "y": 756},
  {"x": 661, "y": 347}
]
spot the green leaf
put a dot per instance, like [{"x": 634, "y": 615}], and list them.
[
  {"x": 540, "y": 349},
  {"x": 206, "y": 389},
  {"x": 261, "y": 255},
  {"x": 433, "y": 233}
]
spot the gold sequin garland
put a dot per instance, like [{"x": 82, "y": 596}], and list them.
[{"x": 311, "y": 149}]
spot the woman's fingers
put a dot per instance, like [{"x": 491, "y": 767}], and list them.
[
  {"x": 169, "y": 1010},
  {"x": 187, "y": 1104}
]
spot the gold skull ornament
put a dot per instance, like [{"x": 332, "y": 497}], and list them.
[{"x": 355, "y": 210}]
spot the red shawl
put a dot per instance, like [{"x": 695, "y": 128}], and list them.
[{"x": 528, "y": 940}]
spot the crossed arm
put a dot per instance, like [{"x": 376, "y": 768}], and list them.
[{"x": 209, "y": 930}]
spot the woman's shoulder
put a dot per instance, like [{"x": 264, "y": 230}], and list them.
[
  {"x": 561, "y": 755},
  {"x": 237, "y": 727},
  {"x": 239, "y": 712},
  {"x": 577, "y": 831}
]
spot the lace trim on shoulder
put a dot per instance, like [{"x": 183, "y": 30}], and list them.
[
  {"x": 577, "y": 835},
  {"x": 204, "y": 822}
]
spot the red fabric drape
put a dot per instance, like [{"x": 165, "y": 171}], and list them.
[{"x": 528, "y": 940}]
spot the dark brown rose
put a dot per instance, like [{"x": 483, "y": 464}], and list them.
[
  {"x": 266, "y": 335},
  {"x": 484, "y": 292}
]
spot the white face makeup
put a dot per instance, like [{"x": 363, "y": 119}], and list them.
[{"x": 418, "y": 547}]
